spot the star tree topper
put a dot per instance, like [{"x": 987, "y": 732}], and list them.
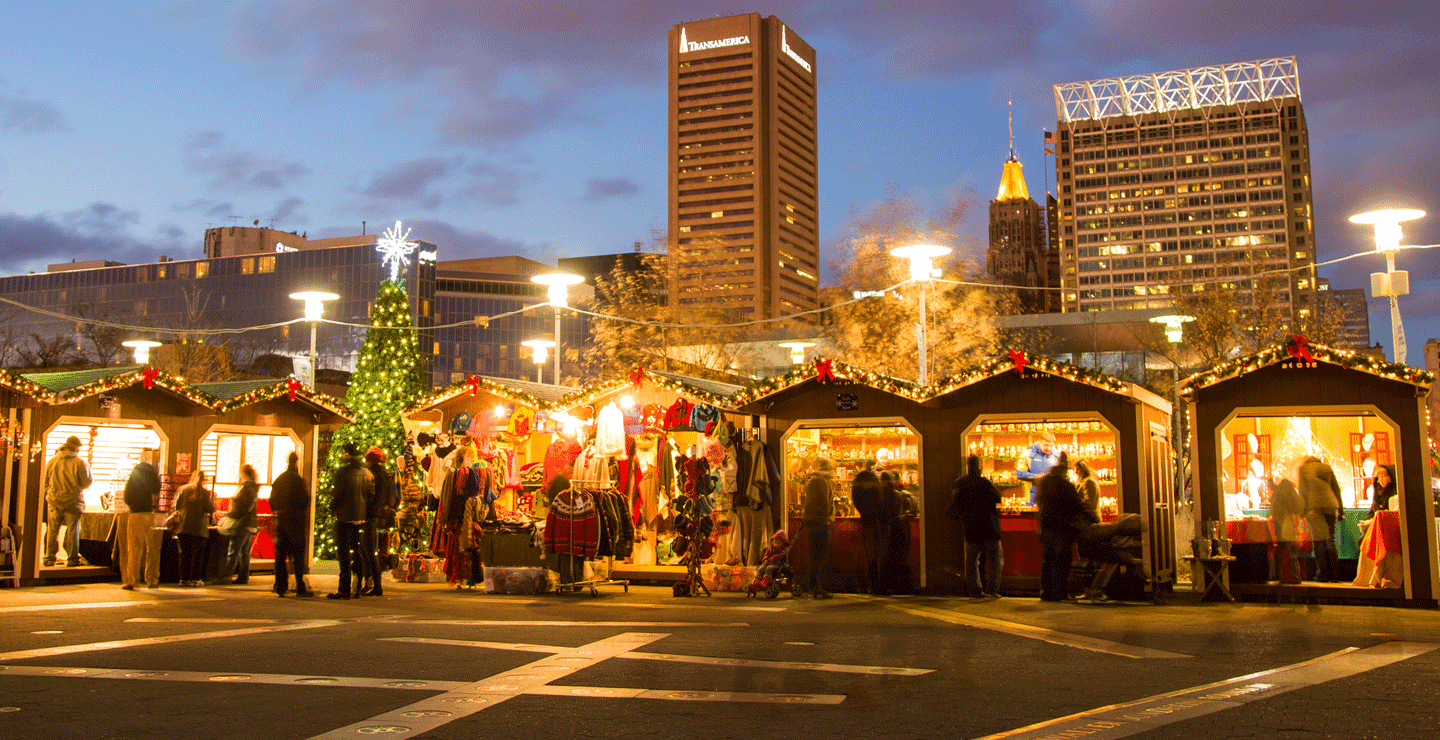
[{"x": 396, "y": 247}]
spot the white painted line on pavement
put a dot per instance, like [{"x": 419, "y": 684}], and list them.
[
  {"x": 142, "y": 641},
  {"x": 104, "y": 604},
  {"x": 430, "y": 713},
  {"x": 699, "y": 659},
  {"x": 1039, "y": 633},
  {"x": 741, "y": 696},
  {"x": 1121, "y": 720},
  {"x": 559, "y": 623},
  {"x": 203, "y": 620}
]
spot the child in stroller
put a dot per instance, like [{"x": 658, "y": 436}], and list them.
[
  {"x": 1108, "y": 545},
  {"x": 774, "y": 567}
]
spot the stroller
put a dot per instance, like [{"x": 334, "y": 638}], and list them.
[
  {"x": 1108, "y": 547},
  {"x": 782, "y": 578}
]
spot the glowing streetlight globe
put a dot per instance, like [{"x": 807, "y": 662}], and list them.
[
  {"x": 921, "y": 256},
  {"x": 1387, "y": 225},
  {"x": 142, "y": 349}
]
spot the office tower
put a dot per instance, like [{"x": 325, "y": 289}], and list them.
[
  {"x": 1017, "y": 254},
  {"x": 743, "y": 226},
  {"x": 1170, "y": 180}
]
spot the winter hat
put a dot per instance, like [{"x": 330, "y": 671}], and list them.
[
  {"x": 72, "y": 441},
  {"x": 351, "y": 450},
  {"x": 375, "y": 456}
]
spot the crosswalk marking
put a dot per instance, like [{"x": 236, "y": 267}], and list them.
[{"x": 1082, "y": 642}]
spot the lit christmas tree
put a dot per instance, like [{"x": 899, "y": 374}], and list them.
[{"x": 387, "y": 380}]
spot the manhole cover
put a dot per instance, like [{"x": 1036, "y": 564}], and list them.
[
  {"x": 231, "y": 677},
  {"x": 382, "y": 730},
  {"x": 316, "y": 680},
  {"x": 406, "y": 684},
  {"x": 429, "y": 713}
]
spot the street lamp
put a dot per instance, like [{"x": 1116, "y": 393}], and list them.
[
  {"x": 559, "y": 291},
  {"x": 1174, "y": 333},
  {"x": 797, "y": 350},
  {"x": 539, "y": 348},
  {"x": 1392, "y": 283},
  {"x": 142, "y": 349},
  {"x": 922, "y": 270},
  {"x": 314, "y": 308}
]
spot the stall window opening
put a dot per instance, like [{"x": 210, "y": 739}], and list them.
[
  {"x": 111, "y": 451},
  {"x": 222, "y": 454}
]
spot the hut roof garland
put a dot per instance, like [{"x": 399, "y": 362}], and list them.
[
  {"x": 665, "y": 381},
  {"x": 489, "y": 385},
  {"x": 1280, "y": 353},
  {"x": 23, "y": 385},
  {"x": 1040, "y": 363},
  {"x": 231, "y": 396},
  {"x": 131, "y": 376},
  {"x": 842, "y": 373},
  {"x": 75, "y": 386}
]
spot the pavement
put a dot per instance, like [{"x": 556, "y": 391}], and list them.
[{"x": 427, "y": 661}]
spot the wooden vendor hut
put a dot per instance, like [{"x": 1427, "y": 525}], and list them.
[
  {"x": 1003, "y": 409},
  {"x": 1257, "y": 419},
  {"x": 852, "y": 417},
  {"x": 18, "y": 396}
]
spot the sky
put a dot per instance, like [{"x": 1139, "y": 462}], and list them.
[{"x": 539, "y": 128}]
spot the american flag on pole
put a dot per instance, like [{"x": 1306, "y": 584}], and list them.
[{"x": 1049, "y": 141}]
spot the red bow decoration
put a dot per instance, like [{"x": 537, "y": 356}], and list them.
[
  {"x": 1018, "y": 357},
  {"x": 292, "y": 385},
  {"x": 148, "y": 376},
  {"x": 474, "y": 382},
  {"x": 1299, "y": 347},
  {"x": 637, "y": 377},
  {"x": 824, "y": 371}
]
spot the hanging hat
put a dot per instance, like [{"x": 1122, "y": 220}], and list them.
[
  {"x": 703, "y": 417},
  {"x": 461, "y": 423}
]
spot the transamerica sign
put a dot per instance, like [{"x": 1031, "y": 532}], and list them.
[
  {"x": 715, "y": 44},
  {"x": 785, "y": 47}
]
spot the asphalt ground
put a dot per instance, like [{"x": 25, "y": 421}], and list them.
[{"x": 428, "y": 662}]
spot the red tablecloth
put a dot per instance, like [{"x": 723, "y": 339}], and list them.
[
  {"x": 1387, "y": 537},
  {"x": 1249, "y": 530}
]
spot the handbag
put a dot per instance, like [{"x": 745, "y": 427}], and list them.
[
  {"x": 228, "y": 526},
  {"x": 172, "y": 522}
]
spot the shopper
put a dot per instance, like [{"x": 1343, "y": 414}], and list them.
[
  {"x": 1382, "y": 490},
  {"x": 865, "y": 497},
  {"x": 974, "y": 504},
  {"x": 142, "y": 537},
  {"x": 352, "y": 488},
  {"x": 895, "y": 555},
  {"x": 818, "y": 513},
  {"x": 1061, "y": 516},
  {"x": 64, "y": 482},
  {"x": 1317, "y": 484},
  {"x": 1286, "y": 509},
  {"x": 1038, "y": 461},
  {"x": 194, "y": 504},
  {"x": 242, "y": 510},
  {"x": 1089, "y": 488},
  {"x": 375, "y": 505},
  {"x": 290, "y": 503}
]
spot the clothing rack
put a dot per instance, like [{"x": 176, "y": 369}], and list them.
[{"x": 610, "y": 561}]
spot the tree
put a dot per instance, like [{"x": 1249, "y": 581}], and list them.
[
  {"x": 199, "y": 358},
  {"x": 877, "y": 333},
  {"x": 47, "y": 351},
  {"x": 387, "y": 380},
  {"x": 105, "y": 348}
]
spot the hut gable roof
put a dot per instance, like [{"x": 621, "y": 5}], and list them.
[
  {"x": 841, "y": 372},
  {"x": 236, "y": 394},
  {"x": 712, "y": 392},
  {"x": 66, "y": 380},
  {"x": 22, "y": 384},
  {"x": 66, "y": 387},
  {"x": 1321, "y": 353},
  {"x": 534, "y": 395},
  {"x": 1038, "y": 363}
]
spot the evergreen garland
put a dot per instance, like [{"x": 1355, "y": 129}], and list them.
[{"x": 387, "y": 380}]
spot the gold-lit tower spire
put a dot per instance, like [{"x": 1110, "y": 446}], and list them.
[{"x": 1012, "y": 180}]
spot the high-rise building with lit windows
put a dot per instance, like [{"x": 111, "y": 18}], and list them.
[
  {"x": 1017, "y": 255},
  {"x": 743, "y": 226},
  {"x": 1174, "y": 179}
]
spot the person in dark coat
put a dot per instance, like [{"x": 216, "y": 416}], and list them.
[
  {"x": 290, "y": 503},
  {"x": 195, "y": 505},
  {"x": 894, "y": 557},
  {"x": 142, "y": 538},
  {"x": 818, "y": 514},
  {"x": 243, "y": 510},
  {"x": 370, "y": 580},
  {"x": 974, "y": 504},
  {"x": 865, "y": 496},
  {"x": 1062, "y": 516},
  {"x": 352, "y": 488}
]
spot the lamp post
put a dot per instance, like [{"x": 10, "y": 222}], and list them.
[
  {"x": 797, "y": 350},
  {"x": 922, "y": 270},
  {"x": 314, "y": 308},
  {"x": 142, "y": 349},
  {"x": 539, "y": 348},
  {"x": 558, "y": 284},
  {"x": 1174, "y": 333},
  {"x": 1392, "y": 283}
]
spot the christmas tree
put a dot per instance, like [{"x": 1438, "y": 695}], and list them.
[{"x": 387, "y": 380}]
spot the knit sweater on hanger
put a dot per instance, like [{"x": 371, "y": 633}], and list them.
[{"x": 573, "y": 525}]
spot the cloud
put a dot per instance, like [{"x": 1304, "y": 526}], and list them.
[
  {"x": 493, "y": 184},
  {"x": 600, "y": 189},
  {"x": 461, "y": 243},
  {"x": 411, "y": 182},
  {"x": 23, "y": 115},
  {"x": 227, "y": 168},
  {"x": 287, "y": 208},
  {"x": 94, "y": 232}
]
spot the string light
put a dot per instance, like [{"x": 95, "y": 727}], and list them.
[{"x": 1343, "y": 357}]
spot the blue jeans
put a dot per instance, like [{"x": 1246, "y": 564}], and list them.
[
  {"x": 238, "y": 562},
  {"x": 819, "y": 535},
  {"x": 993, "y": 562}
]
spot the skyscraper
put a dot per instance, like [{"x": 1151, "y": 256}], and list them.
[
  {"x": 743, "y": 232},
  {"x": 1174, "y": 179},
  {"x": 1017, "y": 254}
]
